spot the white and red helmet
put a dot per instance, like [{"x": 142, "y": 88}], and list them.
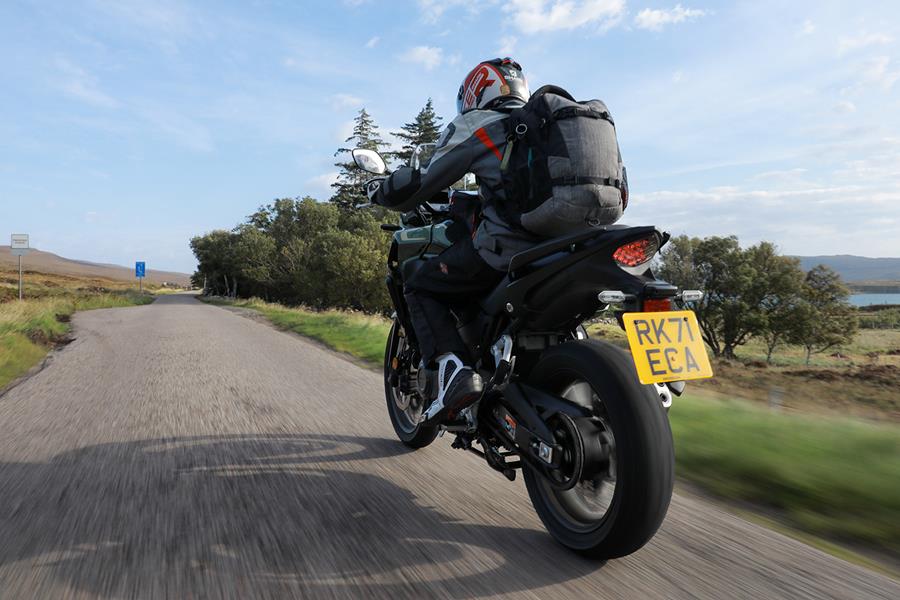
[{"x": 491, "y": 83}]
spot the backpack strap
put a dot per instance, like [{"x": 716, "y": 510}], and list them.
[
  {"x": 571, "y": 112},
  {"x": 583, "y": 180}
]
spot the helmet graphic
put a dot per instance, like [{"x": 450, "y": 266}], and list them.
[{"x": 490, "y": 83}]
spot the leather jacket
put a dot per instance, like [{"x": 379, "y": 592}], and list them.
[{"x": 473, "y": 142}]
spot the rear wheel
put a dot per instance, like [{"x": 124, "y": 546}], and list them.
[
  {"x": 404, "y": 405},
  {"x": 621, "y": 505}
]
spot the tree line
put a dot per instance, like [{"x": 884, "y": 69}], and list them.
[
  {"x": 320, "y": 254},
  {"x": 757, "y": 293},
  {"x": 332, "y": 255}
]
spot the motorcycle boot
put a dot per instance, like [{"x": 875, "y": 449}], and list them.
[{"x": 458, "y": 386}]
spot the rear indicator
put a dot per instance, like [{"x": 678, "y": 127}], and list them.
[
  {"x": 657, "y": 305},
  {"x": 636, "y": 253}
]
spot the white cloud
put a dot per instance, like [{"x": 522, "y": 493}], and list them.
[
  {"x": 433, "y": 10},
  {"x": 344, "y": 131},
  {"x": 533, "y": 16},
  {"x": 161, "y": 16},
  {"x": 882, "y": 167},
  {"x": 845, "y": 107},
  {"x": 320, "y": 185},
  {"x": 877, "y": 72},
  {"x": 863, "y": 40},
  {"x": 507, "y": 45},
  {"x": 677, "y": 76},
  {"x": 81, "y": 85},
  {"x": 782, "y": 175},
  {"x": 811, "y": 220},
  {"x": 183, "y": 130},
  {"x": 427, "y": 56},
  {"x": 373, "y": 41},
  {"x": 656, "y": 19},
  {"x": 343, "y": 100},
  {"x": 807, "y": 28}
]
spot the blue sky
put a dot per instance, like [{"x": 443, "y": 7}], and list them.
[{"x": 127, "y": 127}]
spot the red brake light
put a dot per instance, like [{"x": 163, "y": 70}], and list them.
[
  {"x": 657, "y": 305},
  {"x": 636, "y": 253}
]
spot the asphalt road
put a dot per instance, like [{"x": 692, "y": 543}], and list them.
[{"x": 180, "y": 450}]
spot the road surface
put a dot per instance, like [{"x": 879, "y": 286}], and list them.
[{"x": 181, "y": 450}]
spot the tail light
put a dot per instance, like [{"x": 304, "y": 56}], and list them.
[
  {"x": 637, "y": 253},
  {"x": 657, "y": 304}
]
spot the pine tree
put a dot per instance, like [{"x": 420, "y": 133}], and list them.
[
  {"x": 348, "y": 188},
  {"x": 425, "y": 129}
]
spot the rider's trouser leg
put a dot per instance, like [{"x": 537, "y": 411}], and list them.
[{"x": 457, "y": 275}]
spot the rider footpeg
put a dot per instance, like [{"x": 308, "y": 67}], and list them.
[{"x": 509, "y": 474}]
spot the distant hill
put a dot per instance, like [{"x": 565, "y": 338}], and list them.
[
  {"x": 857, "y": 268},
  {"x": 46, "y": 262}
]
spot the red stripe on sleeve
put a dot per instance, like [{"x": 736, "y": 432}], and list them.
[{"x": 482, "y": 135}]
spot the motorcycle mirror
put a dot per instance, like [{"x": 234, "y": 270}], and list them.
[{"x": 369, "y": 161}]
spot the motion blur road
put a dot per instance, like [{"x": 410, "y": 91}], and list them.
[{"x": 182, "y": 450}]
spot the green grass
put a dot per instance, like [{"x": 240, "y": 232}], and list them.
[
  {"x": 357, "y": 334},
  {"x": 837, "y": 479},
  {"x": 17, "y": 355},
  {"x": 30, "y": 327}
]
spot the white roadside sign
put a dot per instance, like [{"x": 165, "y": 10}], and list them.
[{"x": 19, "y": 241}]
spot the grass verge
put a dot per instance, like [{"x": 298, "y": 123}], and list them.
[
  {"x": 28, "y": 329},
  {"x": 832, "y": 478},
  {"x": 357, "y": 334},
  {"x": 821, "y": 476}
]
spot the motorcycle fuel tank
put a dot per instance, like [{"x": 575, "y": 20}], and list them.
[{"x": 421, "y": 241}]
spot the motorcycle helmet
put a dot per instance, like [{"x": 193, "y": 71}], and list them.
[{"x": 491, "y": 83}]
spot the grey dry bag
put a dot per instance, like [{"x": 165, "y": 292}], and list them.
[{"x": 562, "y": 171}]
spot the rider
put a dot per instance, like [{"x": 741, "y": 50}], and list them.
[{"x": 473, "y": 142}]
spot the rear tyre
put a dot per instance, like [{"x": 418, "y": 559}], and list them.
[
  {"x": 618, "y": 509},
  {"x": 404, "y": 409}
]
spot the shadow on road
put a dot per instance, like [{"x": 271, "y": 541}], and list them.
[{"x": 240, "y": 516}]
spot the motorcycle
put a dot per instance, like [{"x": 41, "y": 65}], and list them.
[{"x": 584, "y": 421}]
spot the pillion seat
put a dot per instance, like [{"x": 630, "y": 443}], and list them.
[{"x": 557, "y": 245}]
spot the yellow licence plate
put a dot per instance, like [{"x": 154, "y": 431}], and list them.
[{"x": 667, "y": 346}]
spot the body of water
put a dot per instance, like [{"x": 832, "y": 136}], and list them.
[{"x": 868, "y": 299}]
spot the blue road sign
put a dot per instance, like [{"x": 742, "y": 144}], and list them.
[{"x": 139, "y": 269}]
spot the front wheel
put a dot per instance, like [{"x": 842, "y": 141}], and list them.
[
  {"x": 404, "y": 407},
  {"x": 619, "y": 508}
]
